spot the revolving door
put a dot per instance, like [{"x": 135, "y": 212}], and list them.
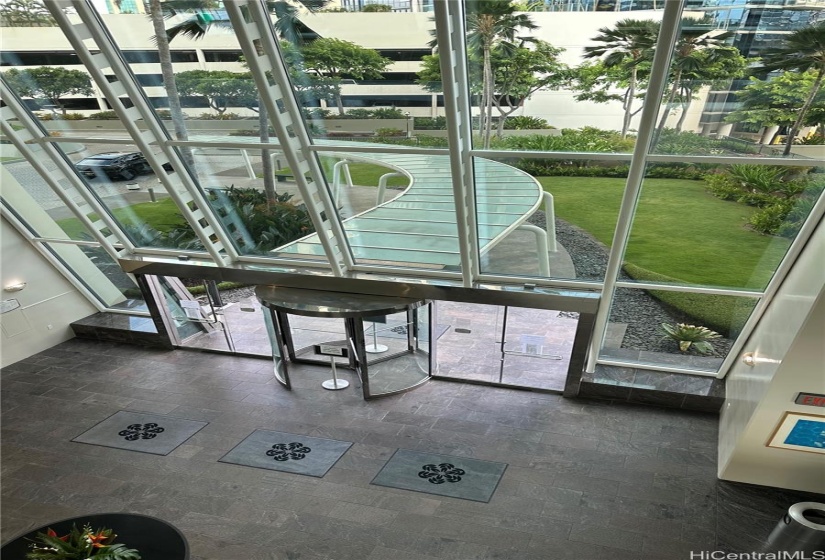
[{"x": 387, "y": 341}]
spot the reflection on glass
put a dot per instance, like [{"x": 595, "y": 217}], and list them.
[
  {"x": 102, "y": 275},
  {"x": 743, "y": 87},
  {"x": 586, "y": 196},
  {"x": 35, "y": 201},
  {"x": 140, "y": 204},
  {"x": 412, "y": 226},
  {"x": 260, "y": 215},
  {"x": 718, "y": 225},
  {"x": 676, "y": 329}
]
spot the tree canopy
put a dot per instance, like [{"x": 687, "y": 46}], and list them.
[
  {"x": 802, "y": 50},
  {"x": 777, "y": 101},
  {"x": 25, "y": 13},
  {"x": 221, "y": 88},
  {"x": 337, "y": 59},
  {"x": 51, "y": 83}
]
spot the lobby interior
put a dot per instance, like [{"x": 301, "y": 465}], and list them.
[{"x": 609, "y": 449}]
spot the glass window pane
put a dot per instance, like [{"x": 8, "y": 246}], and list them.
[
  {"x": 738, "y": 82},
  {"x": 675, "y": 329},
  {"x": 36, "y": 203},
  {"x": 126, "y": 185},
  {"x": 714, "y": 225},
  {"x": 572, "y": 81},
  {"x": 586, "y": 195},
  {"x": 102, "y": 275},
  {"x": 410, "y": 222},
  {"x": 388, "y": 86}
]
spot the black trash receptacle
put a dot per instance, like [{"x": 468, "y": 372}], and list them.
[{"x": 802, "y": 529}]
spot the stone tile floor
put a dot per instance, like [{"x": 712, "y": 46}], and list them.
[{"x": 586, "y": 479}]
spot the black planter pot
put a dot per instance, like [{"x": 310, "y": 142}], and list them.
[{"x": 153, "y": 538}]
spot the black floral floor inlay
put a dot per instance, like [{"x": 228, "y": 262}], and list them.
[
  {"x": 439, "y": 474},
  {"x": 140, "y": 431},
  {"x": 292, "y": 453},
  {"x": 443, "y": 475},
  {"x": 286, "y": 451},
  {"x": 145, "y": 432}
]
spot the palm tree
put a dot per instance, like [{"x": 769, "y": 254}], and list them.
[
  {"x": 201, "y": 18},
  {"x": 803, "y": 50},
  {"x": 696, "y": 46},
  {"x": 157, "y": 15},
  {"x": 492, "y": 23},
  {"x": 628, "y": 45}
]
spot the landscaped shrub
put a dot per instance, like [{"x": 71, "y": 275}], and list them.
[
  {"x": 267, "y": 224},
  {"x": 219, "y": 117},
  {"x": 723, "y": 314},
  {"x": 103, "y": 116},
  {"x": 587, "y": 139},
  {"x": 425, "y": 141},
  {"x": 784, "y": 198},
  {"x": 383, "y": 132},
  {"x": 388, "y": 113},
  {"x": 430, "y": 123},
  {"x": 523, "y": 122},
  {"x": 769, "y": 219},
  {"x": 690, "y": 143},
  {"x": 381, "y": 113}
]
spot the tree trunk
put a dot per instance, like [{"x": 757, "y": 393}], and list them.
[
  {"x": 631, "y": 95},
  {"x": 485, "y": 92},
  {"x": 685, "y": 106},
  {"x": 666, "y": 113},
  {"x": 488, "y": 102},
  {"x": 339, "y": 103},
  {"x": 803, "y": 112},
  {"x": 266, "y": 160},
  {"x": 168, "y": 73}
]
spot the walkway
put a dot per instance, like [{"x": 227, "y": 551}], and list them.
[{"x": 419, "y": 226}]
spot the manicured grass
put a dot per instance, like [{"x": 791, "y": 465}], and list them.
[
  {"x": 680, "y": 231},
  {"x": 363, "y": 174},
  {"x": 162, "y": 215}
]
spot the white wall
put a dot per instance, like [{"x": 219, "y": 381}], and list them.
[
  {"x": 47, "y": 305},
  {"x": 789, "y": 343}
]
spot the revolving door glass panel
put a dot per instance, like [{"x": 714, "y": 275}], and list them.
[
  {"x": 386, "y": 341},
  {"x": 397, "y": 350}
]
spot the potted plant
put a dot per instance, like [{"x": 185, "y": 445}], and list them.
[{"x": 80, "y": 544}]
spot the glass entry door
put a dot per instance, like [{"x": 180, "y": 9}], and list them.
[
  {"x": 210, "y": 316},
  {"x": 505, "y": 345}
]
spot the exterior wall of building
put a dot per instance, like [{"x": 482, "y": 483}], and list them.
[
  {"x": 48, "y": 304},
  {"x": 790, "y": 358}
]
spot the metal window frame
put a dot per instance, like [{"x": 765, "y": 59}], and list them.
[
  {"x": 180, "y": 186},
  {"x": 252, "y": 24},
  {"x": 660, "y": 70}
]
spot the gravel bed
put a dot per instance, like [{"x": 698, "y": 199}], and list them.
[{"x": 643, "y": 313}]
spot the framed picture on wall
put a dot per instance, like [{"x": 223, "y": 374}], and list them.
[{"x": 801, "y": 432}]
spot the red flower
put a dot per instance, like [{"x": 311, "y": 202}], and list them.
[{"x": 50, "y": 532}]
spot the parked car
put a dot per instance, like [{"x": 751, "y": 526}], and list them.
[{"x": 114, "y": 165}]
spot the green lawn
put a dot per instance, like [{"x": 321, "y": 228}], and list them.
[
  {"x": 162, "y": 215},
  {"x": 363, "y": 174},
  {"x": 679, "y": 231}
]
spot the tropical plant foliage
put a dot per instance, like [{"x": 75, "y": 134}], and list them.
[
  {"x": 691, "y": 336},
  {"x": 80, "y": 544},
  {"x": 784, "y": 196},
  {"x": 802, "y": 50}
]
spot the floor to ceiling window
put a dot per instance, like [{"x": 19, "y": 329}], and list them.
[{"x": 606, "y": 151}]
